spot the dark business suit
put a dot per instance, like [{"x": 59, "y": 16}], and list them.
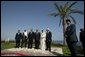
[
  {"x": 71, "y": 39},
  {"x": 82, "y": 40},
  {"x": 17, "y": 38},
  {"x": 48, "y": 40},
  {"x": 37, "y": 39},
  {"x": 30, "y": 41}
]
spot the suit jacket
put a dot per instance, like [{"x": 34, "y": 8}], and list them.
[
  {"x": 31, "y": 36},
  {"x": 18, "y": 36},
  {"x": 37, "y": 36},
  {"x": 81, "y": 36},
  {"x": 71, "y": 33},
  {"x": 48, "y": 36}
]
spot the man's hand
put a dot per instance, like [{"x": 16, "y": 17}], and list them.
[{"x": 65, "y": 36}]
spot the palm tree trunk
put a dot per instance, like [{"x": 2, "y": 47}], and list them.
[{"x": 63, "y": 23}]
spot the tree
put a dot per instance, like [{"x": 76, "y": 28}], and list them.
[{"x": 65, "y": 11}]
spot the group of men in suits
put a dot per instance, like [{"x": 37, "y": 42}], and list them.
[
  {"x": 70, "y": 35},
  {"x": 26, "y": 38}
]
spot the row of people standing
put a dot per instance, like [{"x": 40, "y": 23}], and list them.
[{"x": 41, "y": 40}]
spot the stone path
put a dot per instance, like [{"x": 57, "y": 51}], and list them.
[{"x": 34, "y": 52}]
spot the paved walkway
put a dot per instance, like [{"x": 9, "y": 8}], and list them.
[{"x": 33, "y": 52}]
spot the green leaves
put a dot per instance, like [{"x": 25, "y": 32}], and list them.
[
  {"x": 65, "y": 6},
  {"x": 60, "y": 22},
  {"x": 58, "y": 8},
  {"x": 71, "y": 6},
  {"x": 65, "y": 11},
  {"x": 54, "y": 14},
  {"x": 76, "y": 11}
]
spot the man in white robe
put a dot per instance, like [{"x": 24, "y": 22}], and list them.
[
  {"x": 26, "y": 36},
  {"x": 42, "y": 40}
]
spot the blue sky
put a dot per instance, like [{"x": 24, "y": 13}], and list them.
[{"x": 34, "y": 14}]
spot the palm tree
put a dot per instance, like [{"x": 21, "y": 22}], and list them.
[{"x": 65, "y": 12}]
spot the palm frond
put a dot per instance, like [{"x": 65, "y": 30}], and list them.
[
  {"x": 61, "y": 8},
  {"x": 54, "y": 14},
  {"x": 76, "y": 11},
  {"x": 60, "y": 22},
  {"x": 71, "y": 5},
  {"x": 65, "y": 6},
  {"x": 56, "y": 5}
]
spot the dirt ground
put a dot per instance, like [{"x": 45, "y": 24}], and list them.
[{"x": 31, "y": 52}]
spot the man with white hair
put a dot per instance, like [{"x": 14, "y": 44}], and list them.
[
  {"x": 24, "y": 38},
  {"x": 48, "y": 39}
]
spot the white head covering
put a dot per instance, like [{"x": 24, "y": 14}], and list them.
[
  {"x": 25, "y": 33},
  {"x": 48, "y": 29}
]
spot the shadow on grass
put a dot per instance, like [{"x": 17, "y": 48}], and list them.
[{"x": 57, "y": 54}]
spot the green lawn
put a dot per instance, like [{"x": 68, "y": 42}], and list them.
[
  {"x": 7, "y": 45},
  {"x": 66, "y": 51}
]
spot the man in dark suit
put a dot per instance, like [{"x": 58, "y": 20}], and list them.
[
  {"x": 37, "y": 39},
  {"x": 30, "y": 37},
  {"x": 48, "y": 40},
  {"x": 71, "y": 37},
  {"x": 82, "y": 39},
  {"x": 18, "y": 38}
]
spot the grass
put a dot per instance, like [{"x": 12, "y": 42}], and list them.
[
  {"x": 7, "y": 45},
  {"x": 66, "y": 51}
]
